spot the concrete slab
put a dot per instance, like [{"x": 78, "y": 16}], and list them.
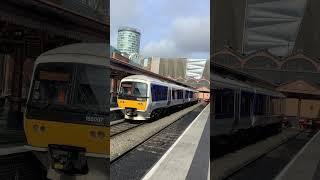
[
  {"x": 114, "y": 109},
  {"x": 12, "y": 150},
  {"x": 176, "y": 163},
  {"x": 226, "y": 165},
  {"x": 305, "y": 165}
]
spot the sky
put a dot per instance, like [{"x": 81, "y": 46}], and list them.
[{"x": 169, "y": 28}]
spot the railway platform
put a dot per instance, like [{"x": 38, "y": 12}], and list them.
[
  {"x": 306, "y": 163},
  {"x": 188, "y": 157}
]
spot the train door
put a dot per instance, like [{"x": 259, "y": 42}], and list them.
[
  {"x": 268, "y": 109},
  {"x": 184, "y": 96},
  {"x": 237, "y": 96},
  {"x": 169, "y": 96},
  {"x": 253, "y": 108}
]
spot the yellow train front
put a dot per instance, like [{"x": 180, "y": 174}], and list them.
[{"x": 66, "y": 120}]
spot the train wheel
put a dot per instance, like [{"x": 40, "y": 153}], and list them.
[{"x": 155, "y": 115}]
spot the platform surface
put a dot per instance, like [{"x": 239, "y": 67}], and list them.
[
  {"x": 306, "y": 164},
  {"x": 188, "y": 157}
]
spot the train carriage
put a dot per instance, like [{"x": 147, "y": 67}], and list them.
[
  {"x": 242, "y": 108},
  {"x": 142, "y": 97}
]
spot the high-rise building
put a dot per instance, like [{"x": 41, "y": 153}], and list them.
[
  {"x": 128, "y": 40},
  {"x": 169, "y": 67}
]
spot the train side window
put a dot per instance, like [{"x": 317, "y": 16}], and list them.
[
  {"x": 159, "y": 93},
  {"x": 275, "y": 106},
  {"x": 224, "y": 103},
  {"x": 246, "y": 103},
  {"x": 260, "y": 104},
  {"x": 180, "y": 94}
]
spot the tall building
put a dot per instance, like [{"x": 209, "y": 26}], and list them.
[
  {"x": 128, "y": 40},
  {"x": 169, "y": 67}
]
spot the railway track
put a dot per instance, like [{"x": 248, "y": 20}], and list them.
[
  {"x": 122, "y": 127},
  {"x": 237, "y": 171},
  {"x": 21, "y": 166}
]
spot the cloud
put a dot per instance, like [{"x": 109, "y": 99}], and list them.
[
  {"x": 122, "y": 13},
  {"x": 192, "y": 34},
  {"x": 163, "y": 48},
  {"x": 187, "y": 37}
]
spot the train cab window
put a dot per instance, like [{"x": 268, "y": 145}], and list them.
[
  {"x": 159, "y": 93},
  {"x": 186, "y": 96},
  {"x": 52, "y": 84},
  {"x": 91, "y": 87},
  {"x": 224, "y": 103},
  {"x": 130, "y": 89},
  {"x": 65, "y": 91},
  {"x": 246, "y": 104}
]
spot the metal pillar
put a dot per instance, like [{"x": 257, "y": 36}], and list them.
[
  {"x": 15, "y": 119},
  {"x": 299, "y": 108}
]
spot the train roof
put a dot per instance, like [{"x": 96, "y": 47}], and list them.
[
  {"x": 88, "y": 53},
  {"x": 224, "y": 82},
  {"x": 239, "y": 75},
  {"x": 154, "y": 80}
]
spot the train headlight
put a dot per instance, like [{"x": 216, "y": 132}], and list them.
[
  {"x": 35, "y": 128},
  {"x": 42, "y": 129},
  {"x": 101, "y": 135},
  {"x": 93, "y": 134}
]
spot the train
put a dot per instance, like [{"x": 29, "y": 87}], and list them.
[
  {"x": 66, "y": 118},
  {"x": 242, "y": 111},
  {"x": 144, "y": 98}
]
